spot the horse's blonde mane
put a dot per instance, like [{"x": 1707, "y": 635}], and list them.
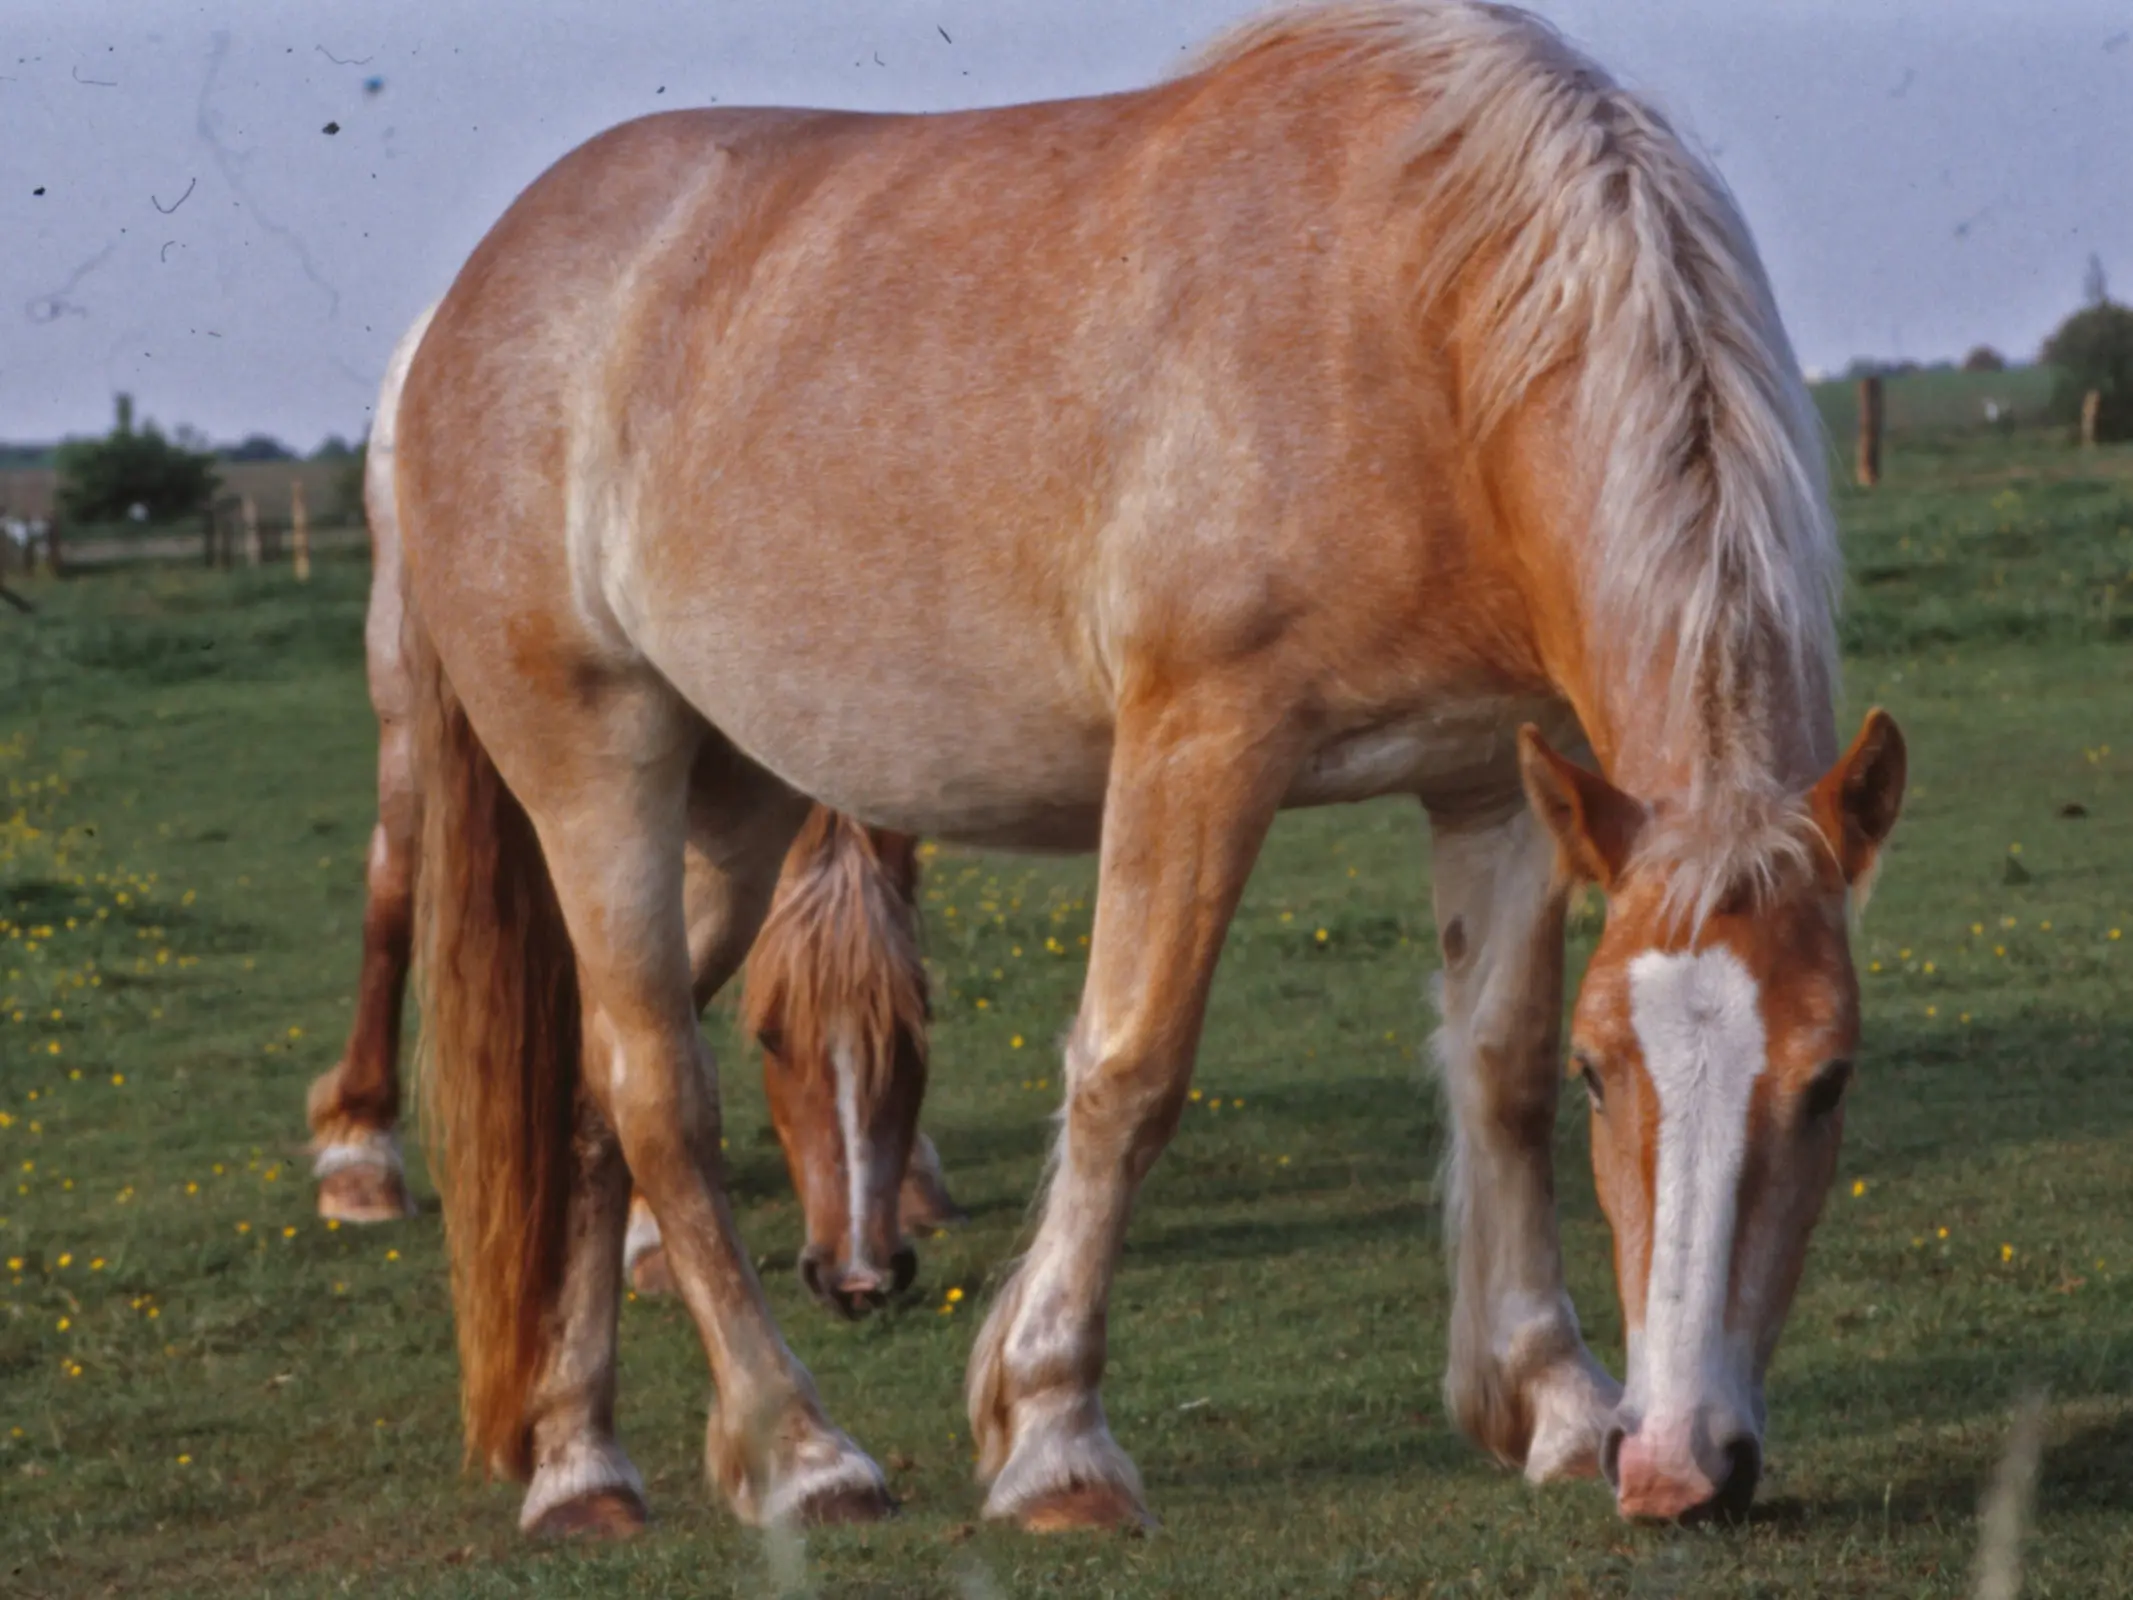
[{"x": 1570, "y": 228}]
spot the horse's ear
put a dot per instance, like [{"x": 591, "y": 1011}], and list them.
[
  {"x": 1595, "y": 824},
  {"x": 1856, "y": 802}
]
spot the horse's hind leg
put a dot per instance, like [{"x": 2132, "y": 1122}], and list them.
[
  {"x": 1520, "y": 1381},
  {"x": 582, "y": 1482},
  {"x": 720, "y": 933},
  {"x": 354, "y": 1108},
  {"x": 612, "y": 824}
]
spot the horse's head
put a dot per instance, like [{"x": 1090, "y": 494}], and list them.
[
  {"x": 846, "y": 1110},
  {"x": 1714, "y": 1036},
  {"x": 836, "y": 993}
]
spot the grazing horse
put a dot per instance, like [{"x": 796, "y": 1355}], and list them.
[
  {"x": 836, "y": 991},
  {"x": 1379, "y": 407}
]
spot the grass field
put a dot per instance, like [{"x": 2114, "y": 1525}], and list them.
[{"x": 203, "y": 1389}]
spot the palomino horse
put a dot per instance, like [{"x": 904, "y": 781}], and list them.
[
  {"x": 1383, "y": 401},
  {"x": 836, "y": 991}
]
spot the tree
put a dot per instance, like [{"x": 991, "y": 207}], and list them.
[
  {"x": 258, "y": 447},
  {"x": 2095, "y": 286},
  {"x": 101, "y": 480},
  {"x": 1984, "y": 359},
  {"x": 333, "y": 448},
  {"x": 348, "y": 485},
  {"x": 2093, "y": 349}
]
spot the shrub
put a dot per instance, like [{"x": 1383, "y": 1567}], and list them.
[
  {"x": 101, "y": 480},
  {"x": 2093, "y": 349}
]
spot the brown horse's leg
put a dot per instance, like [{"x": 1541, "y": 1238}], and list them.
[
  {"x": 924, "y": 1200},
  {"x": 613, "y": 827},
  {"x": 1191, "y": 794},
  {"x": 583, "y": 1484},
  {"x": 355, "y": 1107},
  {"x": 1520, "y": 1381}
]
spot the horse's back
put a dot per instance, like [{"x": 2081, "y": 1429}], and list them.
[{"x": 838, "y": 420}]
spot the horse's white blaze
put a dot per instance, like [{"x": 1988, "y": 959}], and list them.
[
  {"x": 1699, "y": 1020},
  {"x": 845, "y": 1063}
]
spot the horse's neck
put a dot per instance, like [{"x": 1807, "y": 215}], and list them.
[{"x": 1764, "y": 731}]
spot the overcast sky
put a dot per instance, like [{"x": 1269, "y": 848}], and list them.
[{"x": 1922, "y": 175}]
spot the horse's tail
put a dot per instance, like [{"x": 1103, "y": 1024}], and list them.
[
  {"x": 838, "y": 958},
  {"x": 501, "y": 1039}
]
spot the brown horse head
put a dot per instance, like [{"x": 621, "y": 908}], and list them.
[
  {"x": 836, "y": 994},
  {"x": 1714, "y": 1036}
]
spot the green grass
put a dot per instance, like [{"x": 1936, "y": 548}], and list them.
[{"x": 242, "y": 1400}]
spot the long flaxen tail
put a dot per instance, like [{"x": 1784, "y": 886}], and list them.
[{"x": 501, "y": 1037}]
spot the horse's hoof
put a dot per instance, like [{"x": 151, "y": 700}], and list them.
[
  {"x": 1085, "y": 1508},
  {"x": 929, "y": 1216},
  {"x": 845, "y": 1503},
  {"x": 820, "y": 1480},
  {"x": 924, "y": 1204},
  {"x": 1067, "y": 1472},
  {"x": 613, "y": 1513},
  {"x": 365, "y": 1193},
  {"x": 650, "y": 1275},
  {"x": 1572, "y": 1406}
]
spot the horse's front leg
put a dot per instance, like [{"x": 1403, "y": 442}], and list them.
[
  {"x": 1192, "y": 789},
  {"x": 1520, "y": 1381}
]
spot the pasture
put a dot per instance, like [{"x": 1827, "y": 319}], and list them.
[{"x": 204, "y": 1389}]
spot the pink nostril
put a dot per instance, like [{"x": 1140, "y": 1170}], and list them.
[{"x": 859, "y": 1281}]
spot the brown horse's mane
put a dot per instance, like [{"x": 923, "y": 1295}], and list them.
[
  {"x": 840, "y": 953},
  {"x": 1575, "y": 231}
]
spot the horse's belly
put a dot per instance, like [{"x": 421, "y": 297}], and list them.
[
  {"x": 976, "y": 785},
  {"x": 949, "y": 753},
  {"x": 1459, "y": 750}
]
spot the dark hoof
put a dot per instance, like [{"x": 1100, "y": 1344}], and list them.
[
  {"x": 364, "y": 1194},
  {"x": 603, "y": 1514},
  {"x": 650, "y": 1275},
  {"x": 846, "y": 1504},
  {"x": 1085, "y": 1508}
]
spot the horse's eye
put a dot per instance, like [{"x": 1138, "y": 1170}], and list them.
[
  {"x": 1826, "y": 1092},
  {"x": 773, "y": 1041},
  {"x": 1591, "y": 1074}
]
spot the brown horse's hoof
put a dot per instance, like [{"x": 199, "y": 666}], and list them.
[
  {"x": 930, "y": 1215},
  {"x": 924, "y": 1204},
  {"x": 1085, "y": 1508},
  {"x": 364, "y": 1193},
  {"x": 846, "y": 1503},
  {"x": 649, "y": 1273},
  {"x": 602, "y": 1514}
]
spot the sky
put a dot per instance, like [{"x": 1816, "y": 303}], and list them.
[{"x": 177, "y": 222}]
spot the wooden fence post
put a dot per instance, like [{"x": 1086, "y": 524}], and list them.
[
  {"x": 54, "y": 562},
  {"x": 250, "y": 513},
  {"x": 299, "y": 531},
  {"x": 2091, "y": 403},
  {"x": 1869, "y": 432}
]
